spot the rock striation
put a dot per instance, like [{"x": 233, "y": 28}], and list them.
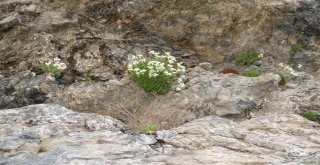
[{"x": 81, "y": 138}]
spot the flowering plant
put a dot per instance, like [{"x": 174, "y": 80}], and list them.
[
  {"x": 157, "y": 73},
  {"x": 55, "y": 67},
  {"x": 286, "y": 73}
]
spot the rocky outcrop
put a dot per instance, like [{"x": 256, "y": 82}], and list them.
[
  {"x": 69, "y": 137},
  {"x": 279, "y": 139},
  {"x": 104, "y": 33},
  {"x": 255, "y": 122},
  {"x": 219, "y": 30},
  {"x": 24, "y": 89},
  {"x": 210, "y": 93}
]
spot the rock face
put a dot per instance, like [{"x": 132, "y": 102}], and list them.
[
  {"x": 211, "y": 93},
  {"x": 266, "y": 140},
  {"x": 255, "y": 120},
  {"x": 219, "y": 30},
  {"x": 76, "y": 138},
  {"x": 103, "y": 33}
]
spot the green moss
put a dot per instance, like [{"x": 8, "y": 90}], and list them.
[
  {"x": 251, "y": 73},
  {"x": 247, "y": 58},
  {"x": 310, "y": 115}
]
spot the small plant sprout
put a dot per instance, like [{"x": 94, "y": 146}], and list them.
[
  {"x": 149, "y": 128},
  {"x": 312, "y": 116},
  {"x": 157, "y": 73},
  {"x": 286, "y": 73},
  {"x": 42, "y": 145},
  {"x": 296, "y": 48},
  {"x": 88, "y": 79},
  {"x": 55, "y": 67}
]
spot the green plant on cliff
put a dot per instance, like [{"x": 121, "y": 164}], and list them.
[
  {"x": 42, "y": 145},
  {"x": 296, "y": 48},
  {"x": 247, "y": 58},
  {"x": 286, "y": 73},
  {"x": 251, "y": 73},
  {"x": 88, "y": 79},
  {"x": 149, "y": 128},
  {"x": 310, "y": 115},
  {"x": 157, "y": 73},
  {"x": 54, "y": 67}
]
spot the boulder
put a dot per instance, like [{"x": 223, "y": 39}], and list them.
[{"x": 211, "y": 93}]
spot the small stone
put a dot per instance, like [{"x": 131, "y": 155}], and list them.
[
  {"x": 206, "y": 66},
  {"x": 147, "y": 139}
]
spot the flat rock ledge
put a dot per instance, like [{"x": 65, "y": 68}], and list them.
[{"x": 80, "y": 138}]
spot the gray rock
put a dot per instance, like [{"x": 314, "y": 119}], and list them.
[
  {"x": 279, "y": 139},
  {"x": 9, "y": 22},
  {"x": 70, "y": 139},
  {"x": 24, "y": 89},
  {"x": 210, "y": 93},
  {"x": 302, "y": 96},
  {"x": 49, "y": 20}
]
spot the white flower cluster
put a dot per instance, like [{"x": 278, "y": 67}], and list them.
[
  {"x": 260, "y": 55},
  {"x": 56, "y": 63},
  {"x": 158, "y": 65},
  {"x": 288, "y": 69},
  {"x": 180, "y": 84}
]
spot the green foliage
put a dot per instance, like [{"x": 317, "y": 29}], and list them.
[
  {"x": 55, "y": 67},
  {"x": 296, "y": 48},
  {"x": 251, "y": 73},
  {"x": 157, "y": 74},
  {"x": 286, "y": 73},
  {"x": 88, "y": 79},
  {"x": 310, "y": 115},
  {"x": 160, "y": 84},
  {"x": 148, "y": 128},
  {"x": 42, "y": 145},
  {"x": 247, "y": 58},
  {"x": 56, "y": 71},
  {"x": 284, "y": 78}
]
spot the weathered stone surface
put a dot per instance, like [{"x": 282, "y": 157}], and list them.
[
  {"x": 24, "y": 89},
  {"x": 298, "y": 97},
  {"x": 9, "y": 22},
  {"x": 283, "y": 139},
  {"x": 95, "y": 39},
  {"x": 66, "y": 132},
  {"x": 219, "y": 30},
  {"x": 79, "y": 138},
  {"x": 210, "y": 93}
]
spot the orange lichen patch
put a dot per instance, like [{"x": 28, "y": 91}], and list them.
[{"x": 229, "y": 71}]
